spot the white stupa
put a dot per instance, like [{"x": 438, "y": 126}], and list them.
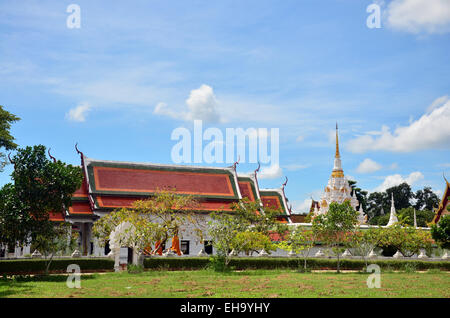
[
  {"x": 393, "y": 217},
  {"x": 338, "y": 189}
]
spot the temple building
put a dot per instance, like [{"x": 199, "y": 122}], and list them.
[
  {"x": 337, "y": 190},
  {"x": 109, "y": 185}
]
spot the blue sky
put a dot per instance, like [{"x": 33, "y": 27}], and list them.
[{"x": 121, "y": 83}]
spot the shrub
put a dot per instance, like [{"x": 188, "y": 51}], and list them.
[
  {"x": 58, "y": 265},
  {"x": 135, "y": 269},
  {"x": 192, "y": 263}
]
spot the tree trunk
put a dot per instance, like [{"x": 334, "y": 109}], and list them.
[
  {"x": 338, "y": 263},
  {"x": 48, "y": 264}
]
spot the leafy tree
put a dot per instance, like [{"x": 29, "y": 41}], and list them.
[
  {"x": 335, "y": 227},
  {"x": 380, "y": 219},
  {"x": 249, "y": 214},
  {"x": 426, "y": 199},
  {"x": 403, "y": 195},
  {"x": 250, "y": 241},
  {"x": 157, "y": 219},
  {"x": 377, "y": 201},
  {"x": 6, "y": 140},
  {"x": 363, "y": 242},
  {"x": 53, "y": 239},
  {"x": 222, "y": 231},
  {"x": 301, "y": 241},
  {"x": 41, "y": 186},
  {"x": 15, "y": 225},
  {"x": 423, "y": 217},
  {"x": 225, "y": 229},
  {"x": 441, "y": 232},
  {"x": 406, "y": 239}
]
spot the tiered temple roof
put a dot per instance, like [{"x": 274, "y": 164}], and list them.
[{"x": 109, "y": 185}]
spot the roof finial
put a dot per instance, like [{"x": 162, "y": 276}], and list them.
[
  {"x": 284, "y": 184},
  {"x": 443, "y": 174},
  {"x": 50, "y": 155},
  {"x": 257, "y": 169},
  {"x": 337, "y": 142},
  {"x": 76, "y": 148},
  {"x": 236, "y": 163}
]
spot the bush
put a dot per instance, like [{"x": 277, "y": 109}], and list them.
[
  {"x": 242, "y": 263},
  {"x": 135, "y": 269},
  {"x": 37, "y": 266}
]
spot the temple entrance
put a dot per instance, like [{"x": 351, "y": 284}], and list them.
[{"x": 130, "y": 255}]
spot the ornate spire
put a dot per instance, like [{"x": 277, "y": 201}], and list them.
[
  {"x": 337, "y": 155},
  {"x": 393, "y": 217},
  {"x": 337, "y": 169}
]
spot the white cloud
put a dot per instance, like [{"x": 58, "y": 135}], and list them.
[
  {"x": 301, "y": 206},
  {"x": 438, "y": 102},
  {"x": 415, "y": 16},
  {"x": 368, "y": 166},
  {"x": 431, "y": 131},
  {"x": 393, "y": 166},
  {"x": 271, "y": 172},
  {"x": 79, "y": 113},
  {"x": 396, "y": 179},
  {"x": 202, "y": 105}
]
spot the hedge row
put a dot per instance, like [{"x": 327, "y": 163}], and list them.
[
  {"x": 292, "y": 263},
  {"x": 22, "y": 266}
]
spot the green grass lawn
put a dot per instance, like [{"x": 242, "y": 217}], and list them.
[{"x": 255, "y": 283}]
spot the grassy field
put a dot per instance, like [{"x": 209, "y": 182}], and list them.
[{"x": 257, "y": 283}]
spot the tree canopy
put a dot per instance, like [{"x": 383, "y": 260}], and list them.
[
  {"x": 40, "y": 187},
  {"x": 6, "y": 139}
]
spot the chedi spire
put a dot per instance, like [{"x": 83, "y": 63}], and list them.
[{"x": 393, "y": 217}]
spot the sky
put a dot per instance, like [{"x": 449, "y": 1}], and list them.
[{"x": 135, "y": 71}]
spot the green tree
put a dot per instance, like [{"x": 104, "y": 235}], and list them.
[
  {"x": 403, "y": 195},
  {"x": 222, "y": 231},
  {"x": 157, "y": 219},
  {"x": 249, "y": 242},
  {"x": 6, "y": 139},
  {"x": 53, "y": 239},
  {"x": 376, "y": 202},
  {"x": 406, "y": 239},
  {"x": 335, "y": 227},
  {"x": 362, "y": 242},
  {"x": 441, "y": 232},
  {"x": 423, "y": 217},
  {"x": 225, "y": 229},
  {"x": 426, "y": 199},
  {"x": 41, "y": 186}
]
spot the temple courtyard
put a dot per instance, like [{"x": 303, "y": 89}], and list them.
[{"x": 238, "y": 284}]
